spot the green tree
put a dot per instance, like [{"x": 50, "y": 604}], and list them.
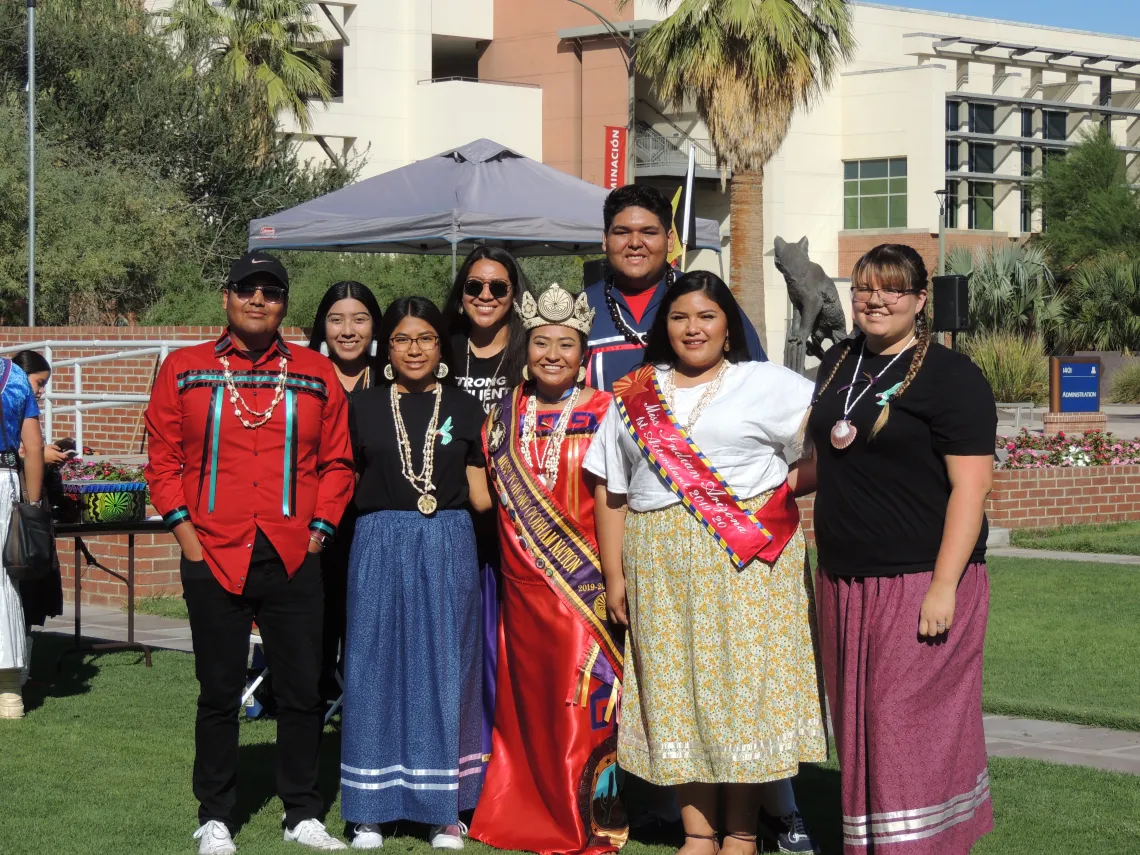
[
  {"x": 1087, "y": 203},
  {"x": 270, "y": 46},
  {"x": 1104, "y": 306},
  {"x": 1012, "y": 289},
  {"x": 747, "y": 65}
]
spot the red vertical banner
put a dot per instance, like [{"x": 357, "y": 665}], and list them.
[{"x": 615, "y": 157}]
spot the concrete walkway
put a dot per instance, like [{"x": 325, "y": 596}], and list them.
[
  {"x": 1070, "y": 744},
  {"x": 1054, "y": 555}
]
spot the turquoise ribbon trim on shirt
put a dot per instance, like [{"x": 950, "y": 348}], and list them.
[
  {"x": 287, "y": 480},
  {"x": 216, "y": 404}
]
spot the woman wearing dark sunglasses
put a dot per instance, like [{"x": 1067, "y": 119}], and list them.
[
  {"x": 486, "y": 335},
  {"x": 490, "y": 347}
]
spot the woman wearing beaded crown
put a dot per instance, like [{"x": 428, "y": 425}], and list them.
[
  {"x": 904, "y": 435},
  {"x": 412, "y": 711},
  {"x": 551, "y": 783},
  {"x": 707, "y": 568}
]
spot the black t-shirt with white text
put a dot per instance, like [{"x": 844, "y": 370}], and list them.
[
  {"x": 481, "y": 377},
  {"x": 880, "y": 505}
]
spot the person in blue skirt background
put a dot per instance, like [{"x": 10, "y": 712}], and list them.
[{"x": 411, "y": 746}]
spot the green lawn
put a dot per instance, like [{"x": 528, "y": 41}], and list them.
[
  {"x": 1062, "y": 642},
  {"x": 162, "y": 605},
  {"x": 1114, "y": 538},
  {"x": 102, "y": 764}
]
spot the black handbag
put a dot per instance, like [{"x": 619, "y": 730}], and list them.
[{"x": 29, "y": 548}]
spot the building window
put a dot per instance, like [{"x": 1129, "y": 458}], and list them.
[
  {"x": 952, "y": 156},
  {"x": 1026, "y": 161},
  {"x": 982, "y": 119},
  {"x": 1027, "y": 122},
  {"x": 952, "y": 115},
  {"x": 982, "y": 158},
  {"x": 874, "y": 194},
  {"x": 981, "y": 204},
  {"x": 1026, "y": 210},
  {"x": 1053, "y": 124},
  {"x": 336, "y": 79}
]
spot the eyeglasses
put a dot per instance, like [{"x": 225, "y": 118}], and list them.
[
  {"x": 499, "y": 287},
  {"x": 403, "y": 343},
  {"x": 888, "y": 296},
  {"x": 270, "y": 293}
]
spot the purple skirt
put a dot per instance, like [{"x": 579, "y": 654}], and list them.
[
  {"x": 907, "y": 713},
  {"x": 489, "y": 585}
]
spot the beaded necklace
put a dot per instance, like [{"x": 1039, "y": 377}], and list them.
[
  {"x": 426, "y": 503},
  {"x": 261, "y": 416},
  {"x": 553, "y": 455},
  {"x": 669, "y": 390},
  {"x": 631, "y": 335}
]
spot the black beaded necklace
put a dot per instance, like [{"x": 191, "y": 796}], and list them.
[{"x": 631, "y": 335}]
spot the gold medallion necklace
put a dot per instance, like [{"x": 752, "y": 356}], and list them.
[{"x": 421, "y": 483}]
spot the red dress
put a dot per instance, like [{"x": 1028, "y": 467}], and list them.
[{"x": 551, "y": 785}]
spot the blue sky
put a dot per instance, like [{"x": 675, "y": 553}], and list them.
[{"x": 1103, "y": 16}]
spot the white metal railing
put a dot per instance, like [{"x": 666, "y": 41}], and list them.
[{"x": 77, "y": 402}]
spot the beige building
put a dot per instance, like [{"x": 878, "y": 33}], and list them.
[{"x": 930, "y": 102}]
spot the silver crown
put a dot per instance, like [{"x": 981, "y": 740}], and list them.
[{"x": 556, "y": 305}]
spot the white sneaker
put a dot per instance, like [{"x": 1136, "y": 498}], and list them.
[
  {"x": 366, "y": 835},
  {"x": 214, "y": 839},
  {"x": 311, "y": 833},
  {"x": 448, "y": 836}
]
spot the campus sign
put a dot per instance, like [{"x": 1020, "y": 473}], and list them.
[
  {"x": 1074, "y": 385},
  {"x": 614, "y": 175}
]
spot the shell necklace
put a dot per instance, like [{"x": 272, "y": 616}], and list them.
[
  {"x": 843, "y": 432},
  {"x": 669, "y": 390},
  {"x": 553, "y": 455},
  {"x": 426, "y": 503},
  {"x": 260, "y": 416}
]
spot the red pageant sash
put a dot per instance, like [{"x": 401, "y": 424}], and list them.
[{"x": 688, "y": 473}]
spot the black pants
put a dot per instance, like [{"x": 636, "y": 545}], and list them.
[{"x": 289, "y": 615}]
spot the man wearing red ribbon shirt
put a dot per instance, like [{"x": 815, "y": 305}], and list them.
[{"x": 251, "y": 467}]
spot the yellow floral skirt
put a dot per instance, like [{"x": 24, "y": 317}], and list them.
[{"x": 723, "y": 684}]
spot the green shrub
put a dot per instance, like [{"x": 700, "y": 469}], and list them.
[
  {"x": 1126, "y": 384},
  {"x": 1015, "y": 366}
]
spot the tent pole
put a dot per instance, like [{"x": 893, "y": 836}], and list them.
[{"x": 453, "y": 248}]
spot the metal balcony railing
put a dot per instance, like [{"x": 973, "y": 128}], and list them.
[{"x": 655, "y": 150}]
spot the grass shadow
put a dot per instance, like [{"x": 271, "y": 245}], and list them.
[{"x": 53, "y": 677}]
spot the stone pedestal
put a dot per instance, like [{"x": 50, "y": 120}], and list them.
[{"x": 1074, "y": 423}]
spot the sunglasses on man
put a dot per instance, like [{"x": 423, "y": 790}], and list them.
[
  {"x": 499, "y": 287},
  {"x": 269, "y": 293}
]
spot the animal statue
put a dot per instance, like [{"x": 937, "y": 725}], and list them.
[{"x": 817, "y": 314}]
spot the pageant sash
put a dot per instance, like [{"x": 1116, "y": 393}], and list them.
[
  {"x": 552, "y": 541},
  {"x": 742, "y": 533}
]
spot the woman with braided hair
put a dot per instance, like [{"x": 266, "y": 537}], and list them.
[{"x": 904, "y": 435}]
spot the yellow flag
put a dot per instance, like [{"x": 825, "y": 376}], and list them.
[{"x": 677, "y": 248}]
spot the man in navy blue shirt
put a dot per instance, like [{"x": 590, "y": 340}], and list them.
[{"x": 637, "y": 242}]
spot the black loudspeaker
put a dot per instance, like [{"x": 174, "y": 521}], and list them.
[
  {"x": 951, "y": 303},
  {"x": 594, "y": 271}
]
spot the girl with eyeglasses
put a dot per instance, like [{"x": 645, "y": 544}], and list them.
[
  {"x": 490, "y": 346},
  {"x": 411, "y": 746},
  {"x": 903, "y": 430}
]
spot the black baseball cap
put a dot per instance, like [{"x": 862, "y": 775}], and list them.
[{"x": 258, "y": 263}]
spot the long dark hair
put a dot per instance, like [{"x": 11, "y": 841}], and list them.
[
  {"x": 32, "y": 362},
  {"x": 658, "y": 350},
  {"x": 425, "y": 310},
  {"x": 459, "y": 325},
  {"x": 349, "y": 290}
]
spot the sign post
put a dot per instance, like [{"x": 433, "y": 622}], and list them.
[
  {"x": 615, "y": 157},
  {"x": 1074, "y": 384}
]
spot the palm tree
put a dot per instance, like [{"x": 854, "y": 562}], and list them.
[
  {"x": 746, "y": 65},
  {"x": 1104, "y": 306},
  {"x": 1011, "y": 288},
  {"x": 269, "y": 46}
]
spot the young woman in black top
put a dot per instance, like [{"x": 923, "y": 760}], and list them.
[
  {"x": 412, "y": 745},
  {"x": 343, "y": 331},
  {"x": 490, "y": 347},
  {"x": 904, "y": 433}
]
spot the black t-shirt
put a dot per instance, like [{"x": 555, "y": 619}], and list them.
[
  {"x": 480, "y": 376},
  {"x": 382, "y": 486},
  {"x": 880, "y": 506}
]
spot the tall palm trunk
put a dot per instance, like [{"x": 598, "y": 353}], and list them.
[{"x": 746, "y": 270}]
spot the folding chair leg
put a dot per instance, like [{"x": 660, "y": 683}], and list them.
[
  {"x": 253, "y": 687},
  {"x": 339, "y": 702}
]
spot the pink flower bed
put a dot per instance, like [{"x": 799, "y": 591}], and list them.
[{"x": 1031, "y": 451}]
